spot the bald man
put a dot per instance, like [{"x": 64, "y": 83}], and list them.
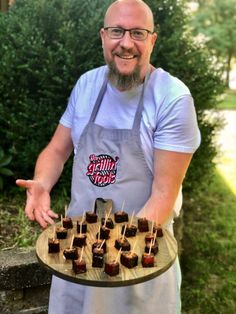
[{"x": 143, "y": 121}]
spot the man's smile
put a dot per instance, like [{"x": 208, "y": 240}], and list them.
[{"x": 125, "y": 56}]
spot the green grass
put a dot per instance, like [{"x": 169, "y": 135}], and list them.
[
  {"x": 209, "y": 258},
  {"x": 15, "y": 228},
  {"x": 228, "y": 100}
]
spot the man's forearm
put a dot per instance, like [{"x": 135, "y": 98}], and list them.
[
  {"x": 51, "y": 160},
  {"x": 48, "y": 168},
  {"x": 169, "y": 172}
]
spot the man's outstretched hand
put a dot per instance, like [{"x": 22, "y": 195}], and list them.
[{"x": 38, "y": 202}]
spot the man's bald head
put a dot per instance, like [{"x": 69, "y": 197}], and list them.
[{"x": 130, "y": 3}]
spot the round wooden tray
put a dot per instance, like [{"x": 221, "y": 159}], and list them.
[{"x": 62, "y": 268}]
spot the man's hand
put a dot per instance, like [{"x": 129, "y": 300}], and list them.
[{"x": 37, "y": 203}]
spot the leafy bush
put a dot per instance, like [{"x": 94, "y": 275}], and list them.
[
  {"x": 177, "y": 53},
  {"x": 47, "y": 45},
  {"x": 4, "y": 170}
]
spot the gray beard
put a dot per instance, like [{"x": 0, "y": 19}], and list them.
[{"x": 123, "y": 82}]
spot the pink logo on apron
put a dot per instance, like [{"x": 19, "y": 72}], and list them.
[{"x": 102, "y": 169}]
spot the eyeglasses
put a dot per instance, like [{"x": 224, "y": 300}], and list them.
[{"x": 135, "y": 33}]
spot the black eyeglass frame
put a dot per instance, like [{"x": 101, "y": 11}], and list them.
[{"x": 124, "y": 30}]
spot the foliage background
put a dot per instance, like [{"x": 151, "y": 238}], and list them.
[
  {"x": 214, "y": 24},
  {"x": 47, "y": 45}
]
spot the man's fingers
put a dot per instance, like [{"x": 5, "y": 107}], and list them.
[
  {"x": 29, "y": 210},
  {"x": 47, "y": 218},
  {"x": 40, "y": 219},
  {"x": 24, "y": 183},
  {"x": 52, "y": 214}
]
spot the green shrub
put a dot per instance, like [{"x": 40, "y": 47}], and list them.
[
  {"x": 47, "y": 45},
  {"x": 176, "y": 52},
  {"x": 4, "y": 170}
]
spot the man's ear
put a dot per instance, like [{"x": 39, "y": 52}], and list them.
[
  {"x": 154, "y": 38},
  {"x": 102, "y": 34}
]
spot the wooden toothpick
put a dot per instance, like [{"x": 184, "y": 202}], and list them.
[
  {"x": 123, "y": 236},
  {"x": 81, "y": 255},
  {"x": 72, "y": 240},
  {"x": 118, "y": 254}
]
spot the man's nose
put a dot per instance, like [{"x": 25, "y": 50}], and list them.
[{"x": 126, "y": 41}]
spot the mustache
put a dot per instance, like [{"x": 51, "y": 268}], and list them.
[{"x": 122, "y": 51}]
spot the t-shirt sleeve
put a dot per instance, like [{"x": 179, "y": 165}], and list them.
[
  {"x": 67, "y": 117},
  {"x": 177, "y": 129}
]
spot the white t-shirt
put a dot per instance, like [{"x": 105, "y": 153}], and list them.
[{"x": 168, "y": 120}]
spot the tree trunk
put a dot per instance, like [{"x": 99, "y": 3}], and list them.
[
  {"x": 228, "y": 68},
  {"x": 3, "y": 5}
]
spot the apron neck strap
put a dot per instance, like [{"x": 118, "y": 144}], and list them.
[
  {"x": 99, "y": 99},
  {"x": 138, "y": 115}
]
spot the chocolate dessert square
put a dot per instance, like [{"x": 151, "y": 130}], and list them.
[
  {"x": 149, "y": 237},
  {"x": 130, "y": 231},
  {"x": 148, "y": 260},
  {"x": 129, "y": 259},
  {"x": 61, "y": 233},
  {"x": 104, "y": 233},
  {"x": 143, "y": 225},
  {"x": 109, "y": 223},
  {"x": 67, "y": 223},
  {"x": 71, "y": 253},
  {"x": 121, "y": 216},
  {"x": 112, "y": 268},
  {"x": 53, "y": 246},
  {"x": 98, "y": 258},
  {"x": 79, "y": 267},
  {"x": 123, "y": 244},
  {"x": 98, "y": 244},
  {"x": 84, "y": 227},
  {"x": 158, "y": 231},
  {"x": 80, "y": 240},
  {"x": 91, "y": 217},
  {"x": 154, "y": 248}
]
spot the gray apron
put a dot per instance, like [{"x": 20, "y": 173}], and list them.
[{"x": 110, "y": 164}]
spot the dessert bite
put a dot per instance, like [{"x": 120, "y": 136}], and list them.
[
  {"x": 129, "y": 259},
  {"x": 147, "y": 260},
  {"x": 151, "y": 247},
  {"x": 129, "y": 230},
  {"x": 61, "y": 232},
  {"x": 79, "y": 266},
  {"x": 122, "y": 243},
  {"x": 150, "y": 237},
  {"x": 71, "y": 253},
  {"x": 79, "y": 240},
  {"x": 158, "y": 231},
  {"x": 112, "y": 268},
  {"x": 100, "y": 244},
  {"x": 143, "y": 225},
  {"x": 53, "y": 245},
  {"x": 91, "y": 217},
  {"x": 109, "y": 223},
  {"x": 103, "y": 233},
  {"x": 81, "y": 226},
  {"x": 67, "y": 222},
  {"x": 98, "y": 257},
  {"x": 121, "y": 216}
]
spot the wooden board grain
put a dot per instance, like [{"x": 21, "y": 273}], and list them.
[{"x": 62, "y": 268}]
